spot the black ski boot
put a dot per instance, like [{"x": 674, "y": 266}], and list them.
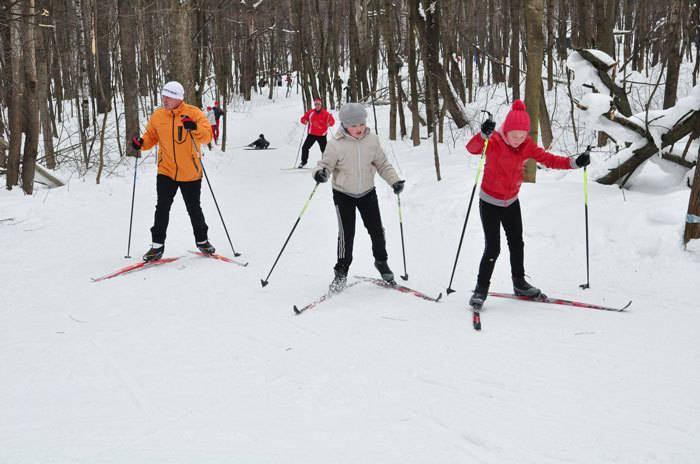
[
  {"x": 522, "y": 288},
  {"x": 154, "y": 254},
  {"x": 479, "y": 296},
  {"x": 339, "y": 281},
  {"x": 206, "y": 247},
  {"x": 383, "y": 268},
  {"x": 301, "y": 166}
]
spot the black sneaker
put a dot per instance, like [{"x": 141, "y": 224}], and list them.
[
  {"x": 522, "y": 288},
  {"x": 301, "y": 165},
  {"x": 206, "y": 248},
  {"x": 383, "y": 268},
  {"x": 154, "y": 254},
  {"x": 339, "y": 281},
  {"x": 479, "y": 296}
]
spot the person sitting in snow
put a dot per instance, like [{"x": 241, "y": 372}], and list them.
[
  {"x": 260, "y": 143},
  {"x": 506, "y": 153},
  {"x": 353, "y": 157}
]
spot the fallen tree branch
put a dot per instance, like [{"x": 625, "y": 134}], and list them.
[{"x": 647, "y": 151}]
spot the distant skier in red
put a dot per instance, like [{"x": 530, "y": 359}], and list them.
[{"x": 317, "y": 121}]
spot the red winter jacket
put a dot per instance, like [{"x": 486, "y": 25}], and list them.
[
  {"x": 503, "y": 173},
  {"x": 320, "y": 121}
]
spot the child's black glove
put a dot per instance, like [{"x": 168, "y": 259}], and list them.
[
  {"x": 321, "y": 176},
  {"x": 584, "y": 159},
  {"x": 398, "y": 186},
  {"x": 487, "y": 128}
]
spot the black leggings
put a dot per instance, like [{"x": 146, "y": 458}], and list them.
[
  {"x": 167, "y": 188},
  {"x": 492, "y": 217},
  {"x": 308, "y": 143},
  {"x": 368, "y": 206}
]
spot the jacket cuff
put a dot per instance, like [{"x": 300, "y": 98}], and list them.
[{"x": 572, "y": 161}]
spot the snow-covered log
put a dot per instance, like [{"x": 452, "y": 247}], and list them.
[{"x": 644, "y": 134}]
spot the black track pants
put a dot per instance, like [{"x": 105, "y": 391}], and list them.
[
  {"x": 167, "y": 188},
  {"x": 492, "y": 217},
  {"x": 308, "y": 143},
  {"x": 368, "y": 206}
]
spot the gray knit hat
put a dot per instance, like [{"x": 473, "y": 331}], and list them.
[{"x": 352, "y": 114}]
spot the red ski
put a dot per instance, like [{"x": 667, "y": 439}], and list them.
[
  {"x": 546, "y": 299},
  {"x": 135, "y": 267},
  {"x": 219, "y": 257}
]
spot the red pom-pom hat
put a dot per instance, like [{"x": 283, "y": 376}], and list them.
[{"x": 517, "y": 118}]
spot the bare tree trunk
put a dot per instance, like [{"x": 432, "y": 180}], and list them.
[
  {"x": 127, "y": 45},
  {"x": 533, "y": 79},
  {"x": 692, "y": 229},
  {"x": 545, "y": 123},
  {"x": 43, "y": 101},
  {"x": 103, "y": 21},
  {"x": 550, "y": 44},
  {"x": 16, "y": 94},
  {"x": 514, "y": 76},
  {"x": 413, "y": 78},
  {"x": 180, "y": 58},
  {"x": 673, "y": 53},
  {"x": 392, "y": 66},
  {"x": 31, "y": 142}
]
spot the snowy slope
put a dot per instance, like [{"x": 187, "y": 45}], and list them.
[{"x": 195, "y": 362}]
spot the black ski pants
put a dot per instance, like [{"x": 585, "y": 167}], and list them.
[
  {"x": 191, "y": 191},
  {"x": 368, "y": 206},
  {"x": 492, "y": 217},
  {"x": 308, "y": 143}
]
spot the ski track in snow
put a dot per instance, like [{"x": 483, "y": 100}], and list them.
[{"x": 193, "y": 361}]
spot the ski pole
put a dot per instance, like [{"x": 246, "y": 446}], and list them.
[
  {"x": 301, "y": 142},
  {"x": 133, "y": 197},
  {"x": 403, "y": 249},
  {"x": 585, "y": 202},
  {"x": 469, "y": 208},
  {"x": 264, "y": 282},
  {"x": 201, "y": 161}
]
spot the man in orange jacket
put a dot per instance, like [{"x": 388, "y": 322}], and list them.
[
  {"x": 173, "y": 128},
  {"x": 317, "y": 122}
]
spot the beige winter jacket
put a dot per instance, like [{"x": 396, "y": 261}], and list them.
[{"x": 353, "y": 162}]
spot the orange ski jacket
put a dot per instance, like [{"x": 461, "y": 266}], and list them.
[{"x": 177, "y": 157}]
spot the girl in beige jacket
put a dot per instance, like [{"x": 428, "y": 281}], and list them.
[{"x": 353, "y": 157}]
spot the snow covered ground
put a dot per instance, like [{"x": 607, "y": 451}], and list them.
[{"x": 194, "y": 362}]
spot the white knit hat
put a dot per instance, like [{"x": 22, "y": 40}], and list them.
[
  {"x": 352, "y": 114},
  {"x": 174, "y": 89}
]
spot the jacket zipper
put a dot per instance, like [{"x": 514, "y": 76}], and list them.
[
  {"x": 173, "y": 134},
  {"x": 359, "y": 168}
]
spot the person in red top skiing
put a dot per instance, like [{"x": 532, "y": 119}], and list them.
[
  {"x": 506, "y": 153},
  {"x": 317, "y": 121}
]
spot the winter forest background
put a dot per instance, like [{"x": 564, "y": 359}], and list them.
[
  {"x": 76, "y": 60},
  {"x": 193, "y": 361}
]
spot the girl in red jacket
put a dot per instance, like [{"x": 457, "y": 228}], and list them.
[{"x": 507, "y": 151}]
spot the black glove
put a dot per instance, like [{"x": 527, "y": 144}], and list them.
[
  {"x": 398, "y": 186},
  {"x": 487, "y": 128},
  {"x": 137, "y": 143},
  {"x": 321, "y": 176},
  {"x": 188, "y": 123},
  {"x": 584, "y": 159}
]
